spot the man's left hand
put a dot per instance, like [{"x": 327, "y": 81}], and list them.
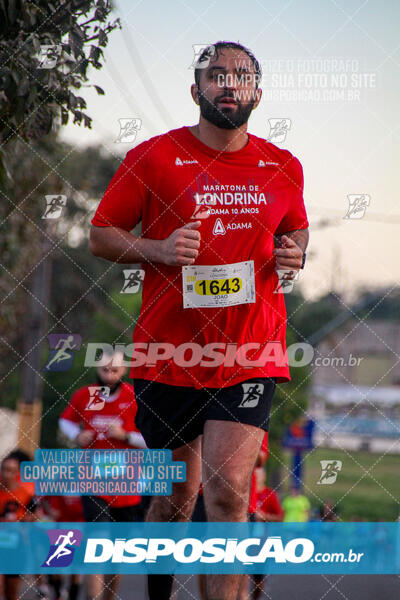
[{"x": 289, "y": 256}]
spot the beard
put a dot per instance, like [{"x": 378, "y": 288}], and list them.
[
  {"x": 227, "y": 117},
  {"x": 113, "y": 388}
]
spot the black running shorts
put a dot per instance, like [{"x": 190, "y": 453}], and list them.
[
  {"x": 170, "y": 416},
  {"x": 96, "y": 509}
]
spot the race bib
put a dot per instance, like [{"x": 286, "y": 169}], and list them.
[{"x": 212, "y": 286}]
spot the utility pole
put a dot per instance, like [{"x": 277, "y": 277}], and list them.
[{"x": 36, "y": 322}]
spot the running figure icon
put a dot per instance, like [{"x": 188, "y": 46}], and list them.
[
  {"x": 252, "y": 393},
  {"x": 133, "y": 279},
  {"x": 62, "y": 354},
  {"x": 62, "y": 549}
]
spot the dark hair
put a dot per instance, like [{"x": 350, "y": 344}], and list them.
[
  {"x": 7, "y": 458},
  {"x": 19, "y": 455},
  {"x": 208, "y": 52}
]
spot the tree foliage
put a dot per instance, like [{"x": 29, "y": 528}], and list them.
[
  {"x": 49, "y": 167},
  {"x": 36, "y": 94}
]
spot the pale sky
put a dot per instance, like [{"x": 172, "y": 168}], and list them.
[{"x": 346, "y": 144}]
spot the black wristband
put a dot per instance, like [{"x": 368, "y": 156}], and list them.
[{"x": 303, "y": 262}]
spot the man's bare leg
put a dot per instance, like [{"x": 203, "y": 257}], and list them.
[
  {"x": 180, "y": 505},
  {"x": 243, "y": 593},
  {"x": 229, "y": 452},
  {"x": 111, "y": 583},
  {"x": 95, "y": 585},
  {"x": 11, "y": 587},
  {"x": 177, "y": 507},
  {"x": 258, "y": 589},
  {"x": 201, "y": 580}
]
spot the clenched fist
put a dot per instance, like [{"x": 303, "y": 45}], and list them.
[
  {"x": 182, "y": 246},
  {"x": 288, "y": 257},
  {"x": 85, "y": 437}
]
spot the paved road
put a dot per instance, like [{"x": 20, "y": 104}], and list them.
[
  {"x": 316, "y": 587},
  {"x": 278, "y": 587}
]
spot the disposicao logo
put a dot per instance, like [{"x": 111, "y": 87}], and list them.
[
  {"x": 62, "y": 547},
  {"x": 190, "y": 550}
]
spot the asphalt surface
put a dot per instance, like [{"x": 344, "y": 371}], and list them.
[{"x": 277, "y": 587}]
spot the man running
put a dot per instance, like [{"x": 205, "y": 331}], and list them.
[{"x": 209, "y": 345}]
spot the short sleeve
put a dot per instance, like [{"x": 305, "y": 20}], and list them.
[
  {"x": 276, "y": 508},
  {"x": 296, "y": 216},
  {"x": 129, "y": 414},
  {"x": 122, "y": 203}
]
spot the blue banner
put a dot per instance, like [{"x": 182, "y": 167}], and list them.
[
  {"x": 86, "y": 472},
  {"x": 276, "y": 548}
]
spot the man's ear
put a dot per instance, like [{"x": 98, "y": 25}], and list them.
[
  {"x": 194, "y": 90},
  {"x": 258, "y": 97}
]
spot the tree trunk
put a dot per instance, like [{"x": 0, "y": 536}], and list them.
[{"x": 36, "y": 323}]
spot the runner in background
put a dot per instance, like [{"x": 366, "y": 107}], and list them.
[
  {"x": 296, "y": 507},
  {"x": 41, "y": 588},
  {"x": 260, "y": 464},
  {"x": 17, "y": 503},
  {"x": 21, "y": 456},
  {"x": 268, "y": 509},
  {"x": 105, "y": 421},
  {"x": 327, "y": 511}
]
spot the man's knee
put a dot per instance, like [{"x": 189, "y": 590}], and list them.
[
  {"x": 227, "y": 494},
  {"x": 184, "y": 497},
  {"x": 178, "y": 506}
]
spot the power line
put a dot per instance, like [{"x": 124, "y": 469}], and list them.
[{"x": 146, "y": 80}]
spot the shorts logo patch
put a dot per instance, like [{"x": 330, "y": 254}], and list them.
[{"x": 252, "y": 393}]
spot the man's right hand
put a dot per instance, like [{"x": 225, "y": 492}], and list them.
[
  {"x": 85, "y": 437},
  {"x": 182, "y": 246},
  {"x": 117, "y": 245}
]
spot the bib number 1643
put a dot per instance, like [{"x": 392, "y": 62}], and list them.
[{"x": 212, "y": 286}]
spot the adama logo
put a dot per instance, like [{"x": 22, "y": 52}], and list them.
[
  {"x": 179, "y": 162},
  {"x": 219, "y": 228},
  {"x": 267, "y": 164}
]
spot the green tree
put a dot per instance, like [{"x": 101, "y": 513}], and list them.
[
  {"x": 78, "y": 283},
  {"x": 45, "y": 52}
]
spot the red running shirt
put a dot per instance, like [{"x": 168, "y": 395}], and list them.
[
  {"x": 69, "y": 508},
  {"x": 253, "y": 193},
  {"x": 16, "y": 504},
  {"x": 268, "y": 502},
  {"x": 121, "y": 411}
]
